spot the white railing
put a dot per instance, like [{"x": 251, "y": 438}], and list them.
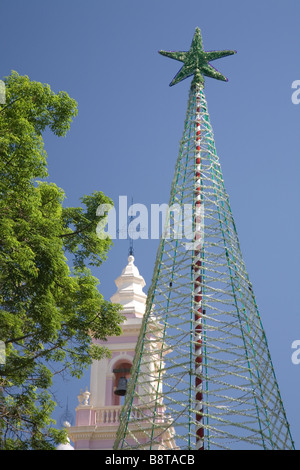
[
  {"x": 108, "y": 415},
  {"x": 111, "y": 415}
]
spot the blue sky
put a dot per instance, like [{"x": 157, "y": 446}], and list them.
[{"x": 126, "y": 137}]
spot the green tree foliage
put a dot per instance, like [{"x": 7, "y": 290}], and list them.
[{"x": 49, "y": 311}]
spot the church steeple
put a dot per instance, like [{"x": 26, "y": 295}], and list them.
[
  {"x": 97, "y": 416},
  {"x": 130, "y": 290}
]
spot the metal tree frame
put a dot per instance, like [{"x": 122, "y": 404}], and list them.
[{"x": 202, "y": 376}]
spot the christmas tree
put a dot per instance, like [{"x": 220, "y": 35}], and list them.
[{"x": 202, "y": 377}]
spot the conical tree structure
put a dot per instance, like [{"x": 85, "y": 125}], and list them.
[{"x": 211, "y": 384}]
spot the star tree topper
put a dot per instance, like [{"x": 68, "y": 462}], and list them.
[{"x": 196, "y": 62}]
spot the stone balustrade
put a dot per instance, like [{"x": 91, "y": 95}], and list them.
[{"x": 107, "y": 415}]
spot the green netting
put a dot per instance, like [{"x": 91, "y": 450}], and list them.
[{"x": 202, "y": 376}]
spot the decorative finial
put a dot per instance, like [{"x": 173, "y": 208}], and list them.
[
  {"x": 86, "y": 397},
  {"x": 196, "y": 62},
  {"x": 66, "y": 417},
  {"x": 130, "y": 251},
  {"x": 80, "y": 397},
  {"x": 130, "y": 259}
]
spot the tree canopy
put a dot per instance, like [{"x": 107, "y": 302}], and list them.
[{"x": 50, "y": 311}]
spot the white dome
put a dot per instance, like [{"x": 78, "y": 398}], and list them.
[{"x": 66, "y": 446}]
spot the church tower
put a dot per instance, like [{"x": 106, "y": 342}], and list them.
[{"x": 98, "y": 412}]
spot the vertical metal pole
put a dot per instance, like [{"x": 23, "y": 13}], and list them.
[{"x": 198, "y": 279}]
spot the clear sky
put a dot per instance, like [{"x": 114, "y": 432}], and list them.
[{"x": 125, "y": 139}]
